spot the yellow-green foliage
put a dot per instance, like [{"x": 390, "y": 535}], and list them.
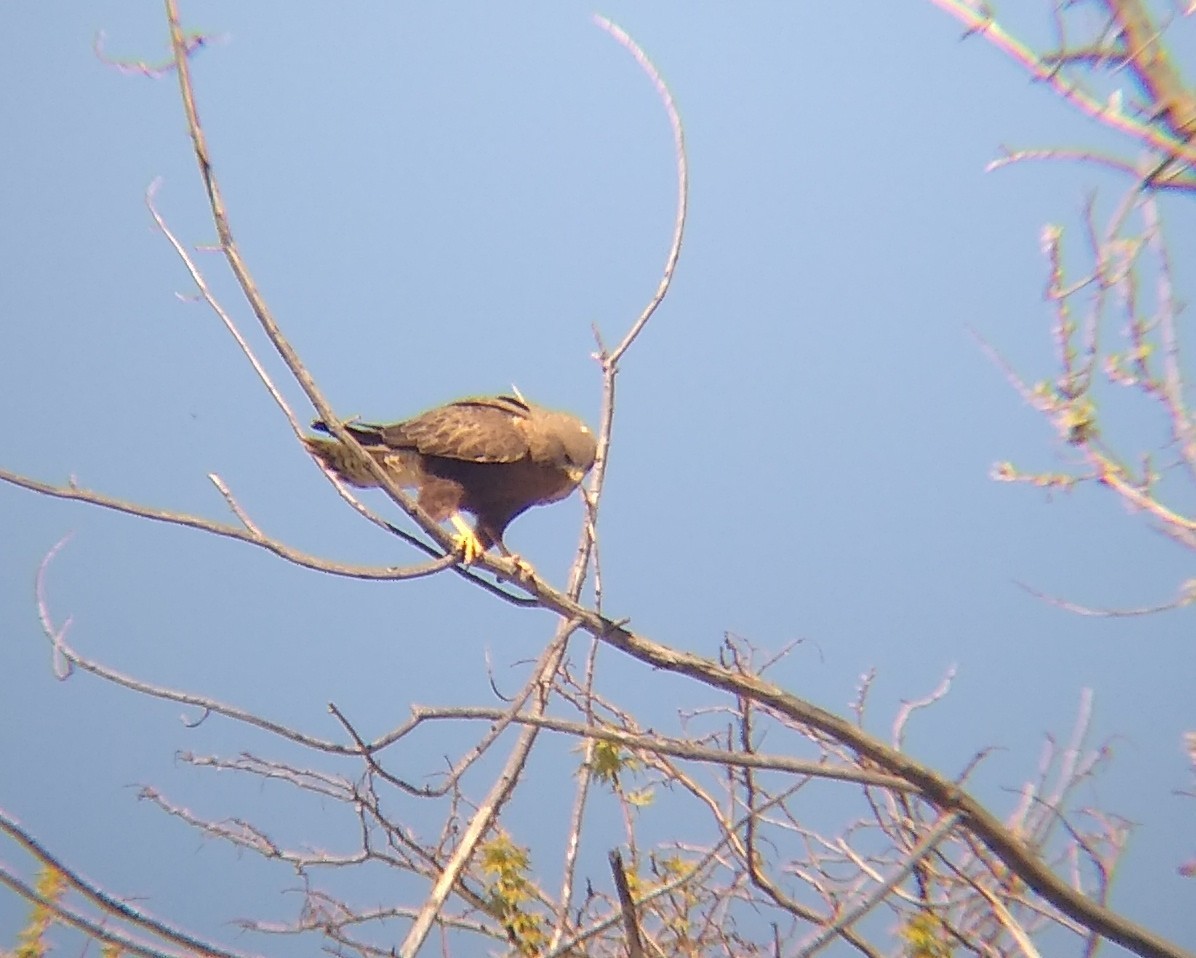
[
  {"x": 31, "y": 941},
  {"x": 925, "y": 937},
  {"x": 505, "y": 865},
  {"x": 684, "y": 900},
  {"x": 607, "y": 761},
  {"x": 1075, "y": 414}
]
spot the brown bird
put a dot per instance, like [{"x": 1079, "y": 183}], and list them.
[{"x": 494, "y": 457}]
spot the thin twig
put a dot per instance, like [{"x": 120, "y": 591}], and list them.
[
  {"x": 940, "y": 831},
  {"x": 280, "y": 549}
]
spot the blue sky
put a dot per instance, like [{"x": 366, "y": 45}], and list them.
[{"x": 438, "y": 204}]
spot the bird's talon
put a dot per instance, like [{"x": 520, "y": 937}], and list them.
[{"x": 469, "y": 548}]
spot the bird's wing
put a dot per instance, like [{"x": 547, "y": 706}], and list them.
[
  {"x": 402, "y": 464},
  {"x": 473, "y": 430},
  {"x": 366, "y": 433}
]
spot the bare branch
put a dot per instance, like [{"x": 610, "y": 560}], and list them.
[
  {"x": 850, "y": 917},
  {"x": 631, "y": 924},
  {"x": 190, "y": 521},
  {"x": 658, "y": 744},
  {"x": 979, "y": 21},
  {"x": 101, "y": 899},
  {"x": 666, "y": 99},
  {"x": 933, "y": 787},
  {"x": 488, "y": 810}
]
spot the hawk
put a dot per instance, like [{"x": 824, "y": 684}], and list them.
[{"x": 494, "y": 457}]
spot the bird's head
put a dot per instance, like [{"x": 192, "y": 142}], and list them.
[{"x": 578, "y": 445}]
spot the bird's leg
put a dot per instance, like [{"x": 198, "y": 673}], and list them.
[
  {"x": 467, "y": 542},
  {"x": 523, "y": 568}
]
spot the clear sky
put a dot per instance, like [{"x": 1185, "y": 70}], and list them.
[{"x": 438, "y": 204}]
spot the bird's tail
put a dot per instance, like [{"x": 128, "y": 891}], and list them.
[
  {"x": 348, "y": 466},
  {"x": 368, "y": 434}
]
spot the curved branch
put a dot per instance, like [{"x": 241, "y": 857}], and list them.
[
  {"x": 208, "y": 705},
  {"x": 610, "y": 360},
  {"x": 666, "y": 99}
]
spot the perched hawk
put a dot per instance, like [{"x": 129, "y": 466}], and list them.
[{"x": 494, "y": 457}]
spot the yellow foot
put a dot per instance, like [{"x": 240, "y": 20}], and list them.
[
  {"x": 468, "y": 546},
  {"x": 466, "y": 541}
]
